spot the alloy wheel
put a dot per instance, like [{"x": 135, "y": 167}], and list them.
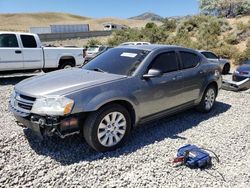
[
  {"x": 209, "y": 99},
  {"x": 111, "y": 129}
]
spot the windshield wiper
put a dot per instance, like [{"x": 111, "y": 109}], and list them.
[{"x": 98, "y": 70}]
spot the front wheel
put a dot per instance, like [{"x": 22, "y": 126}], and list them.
[
  {"x": 108, "y": 128},
  {"x": 208, "y": 100}
]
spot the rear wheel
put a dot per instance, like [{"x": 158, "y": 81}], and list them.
[
  {"x": 66, "y": 65},
  {"x": 208, "y": 100},
  {"x": 226, "y": 69},
  {"x": 108, "y": 128}
]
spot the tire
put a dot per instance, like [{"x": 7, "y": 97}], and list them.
[
  {"x": 102, "y": 132},
  {"x": 226, "y": 69},
  {"x": 66, "y": 65},
  {"x": 208, "y": 100}
]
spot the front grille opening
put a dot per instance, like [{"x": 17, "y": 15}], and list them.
[
  {"x": 27, "y": 97},
  {"x": 24, "y": 106}
]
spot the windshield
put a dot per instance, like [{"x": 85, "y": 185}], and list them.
[
  {"x": 247, "y": 62},
  {"x": 118, "y": 61},
  {"x": 93, "y": 48}
]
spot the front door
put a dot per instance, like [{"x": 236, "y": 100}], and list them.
[
  {"x": 11, "y": 57},
  {"x": 161, "y": 93}
]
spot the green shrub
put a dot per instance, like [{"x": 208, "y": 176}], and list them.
[
  {"x": 224, "y": 25},
  {"x": 125, "y": 36},
  {"x": 150, "y": 25},
  {"x": 194, "y": 24},
  {"x": 169, "y": 25},
  {"x": 92, "y": 42},
  {"x": 226, "y": 51},
  {"x": 232, "y": 39},
  {"x": 248, "y": 42}
]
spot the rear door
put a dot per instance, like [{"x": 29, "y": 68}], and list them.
[
  {"x": 11, "y": 57},
  {"x": 193, "y": 76},
  {"x": 32, "y": 53}
]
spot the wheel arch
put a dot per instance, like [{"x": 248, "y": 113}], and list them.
[
  {"x": 66, "y": 58},
  {"x": 129, "y": 107}
]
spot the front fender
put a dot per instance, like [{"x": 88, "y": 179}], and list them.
[{"x": 107, "y": 97}]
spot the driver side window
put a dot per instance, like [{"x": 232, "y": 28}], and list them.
[{"x": 165, "y": 62}]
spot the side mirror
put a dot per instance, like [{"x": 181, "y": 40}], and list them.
[{"x": 152, "y": 73}]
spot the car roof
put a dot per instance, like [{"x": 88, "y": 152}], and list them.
[
  {"x": 152, "y": 47},
  {"x": 135, "y": 42},
  {"x": 19, "y": 33},
  {"x": 204, "y": 51}
]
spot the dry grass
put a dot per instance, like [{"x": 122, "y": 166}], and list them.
[
  {"x": 76, "y": 42},
  {"x": 23, "y": 21},
  {"x": 234, "y": 21}
]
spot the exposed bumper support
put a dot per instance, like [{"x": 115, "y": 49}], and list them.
[{"x": 236, "y": 86}]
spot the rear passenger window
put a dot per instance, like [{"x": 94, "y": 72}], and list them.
[
  {"x": 189, "y": 60},
  {"x": 28, "y": 41},
  {"x": 8, "y": 41},
  {"x": 166, "y": 62},
  {"x": 209, "y": 55}
]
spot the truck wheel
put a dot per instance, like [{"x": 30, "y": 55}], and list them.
[
  {"x": 208, "y": 100},
  {"x": 226, "y": 69},
  {"x": 108, "y": 128},
  {"x": 66, "y": 65}
]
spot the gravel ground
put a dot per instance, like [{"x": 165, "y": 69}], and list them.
[{"x": 146, "y": 159}]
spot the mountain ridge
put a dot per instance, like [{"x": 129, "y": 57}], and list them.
[{"x": 150, "y": 16}]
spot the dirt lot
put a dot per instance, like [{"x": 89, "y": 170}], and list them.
[{"x": 146, "y": 159}]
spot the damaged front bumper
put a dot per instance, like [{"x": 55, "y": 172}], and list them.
[{"x": 48, "y": 126}]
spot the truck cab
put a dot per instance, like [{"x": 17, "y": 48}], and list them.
[
  {"x": 24, "y": 51},
  {"x": 20, "y": 51}
]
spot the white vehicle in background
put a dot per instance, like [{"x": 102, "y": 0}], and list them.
[
  {"x": 24, "y": 51},
  {"x": 93, "y": 51},
  {"x": 134, "y": 43}
]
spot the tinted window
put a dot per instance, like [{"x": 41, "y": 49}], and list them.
[
  {"x": 166, "y": 62},
  {"x": 189, "y": 60},
  {"x": 209, "y": 55},
  {"x": 28, "y": 41},
  {"x": 8, "y": 41},
  {"x": 120, "y": 61},
  {"x": 247, "y": 62},
  {"x": 101, "y": 48}
]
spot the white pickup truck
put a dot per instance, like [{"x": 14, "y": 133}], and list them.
[{"x": 24, "y": 51}]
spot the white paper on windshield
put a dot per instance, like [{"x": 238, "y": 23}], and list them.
[{"x": 126, "y": 54}]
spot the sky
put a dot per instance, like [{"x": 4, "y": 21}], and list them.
[{"x": 103, "y": 8}]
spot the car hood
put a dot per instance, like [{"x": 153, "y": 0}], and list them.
[
  {"x": 244, "y": 68},
  {"x": 63, "y": 82}
]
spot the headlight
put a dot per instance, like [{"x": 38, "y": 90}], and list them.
[
  {"x": 236, "y": 72},
  {"x": 52, "y": 105}
]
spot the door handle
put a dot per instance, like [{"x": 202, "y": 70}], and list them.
[
  {"x": 18, "y": 51},
  {"x": 202, "y": 72},
  {"x": 177, "y": 77}
]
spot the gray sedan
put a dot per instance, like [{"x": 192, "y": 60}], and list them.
[{"x": 115, "y": 92}]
